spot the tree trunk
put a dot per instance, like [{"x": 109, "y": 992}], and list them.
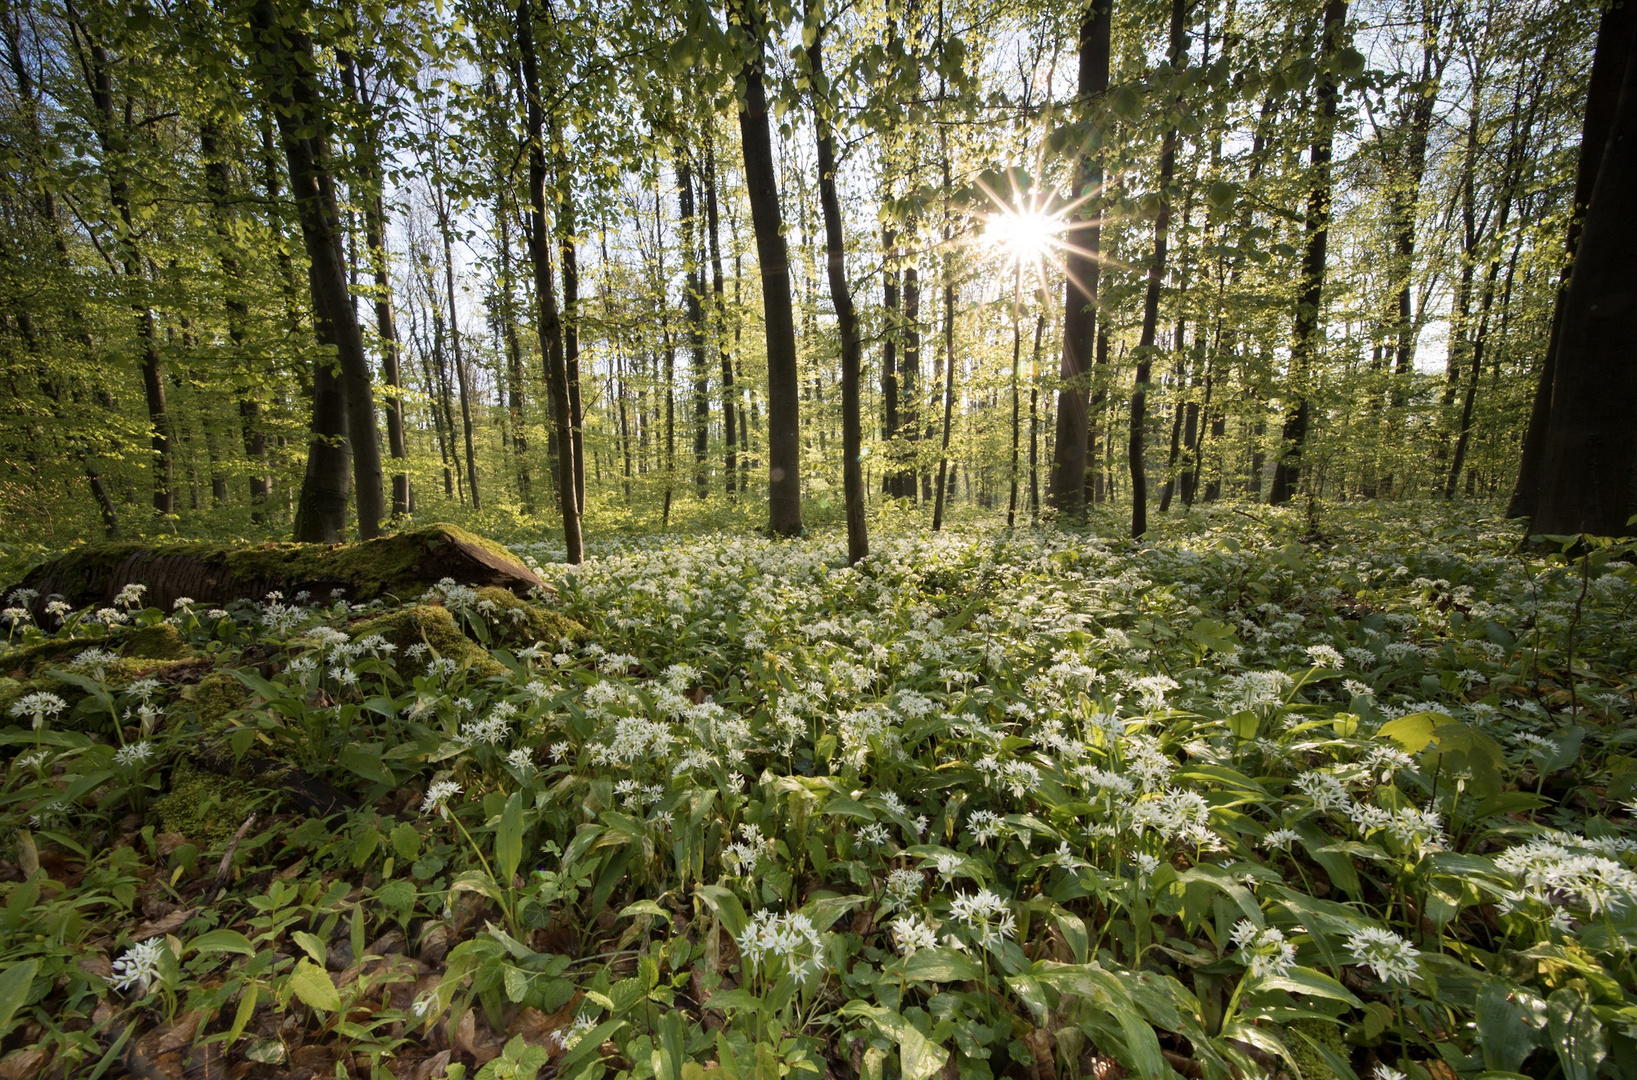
[
  {"x": 1589, "y": 462},
  {"x": 1151, "y": 296},
  {"x": 852, "y": 436},
  {"x": 730, "y": 465},
  {"x": 1287, "y": 472},
  {"x": 567, "y": 246},
  {"x": 693, "y": 287},
  {"x": 1616, "y": 39},
  {"x": 551, "y": 337},
  {"x": 772, "y": 256},
  {"x": 1066, "y": 490},
  {"x": 514, "y": 357},
  {"x": 291, "y": 84}
]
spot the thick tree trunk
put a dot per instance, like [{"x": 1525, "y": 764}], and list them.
[
  {"x": 1066, "y": 490},
  {"x": 551, "y": 336},
  {"x": 1616, "y": 40},
  {"x": 1287, "y": 472},
  {"x": 1589, "y": 463},
  {"x": 773, "y": 259},
  {"x": 835, "y": 250},
  {"x": 288, "y": 72}
]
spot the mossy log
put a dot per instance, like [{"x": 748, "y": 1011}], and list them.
[{"x": 402, "y": 565}]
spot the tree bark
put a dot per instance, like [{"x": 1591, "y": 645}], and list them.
[
  {"x": 1151, "y": 295},
  {"x": 730, "y": 465},
  {"x": 1589, "y": 462},
  {"x": 567, "y": 244},
  {"x": 1287, "y": 472},
  {"x": 347, "y": 415},
  {"x": 1616, "y": 39},
  {"x": 835, "y": 250},
  {"x": 550, "y": 324},
  {"x": 773, "y": 258},
  {"x": 1066, "y": 490}
]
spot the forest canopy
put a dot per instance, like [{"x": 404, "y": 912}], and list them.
[{"x": 298, "y": 269}]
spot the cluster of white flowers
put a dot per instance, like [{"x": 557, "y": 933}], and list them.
[
  {"x": 989, "y": 916},
  {"x": 789, "y": 938},
  {"x": 138, "y": 967},
  {"x": 438, "y": 794},
  {"x": 902, "y": 886},
  {"x": 1557, "y": 869},
  {"x": 1263, "y": 949},
  {"x": 568, "y": 1038},
  {"x": 137, "y": 753},
  {"x": 39, "y": 707},
  {"x": 751, "y": 848},
  {"x": 911, "y": 934},
  {"x": 1391, "y": 957}
]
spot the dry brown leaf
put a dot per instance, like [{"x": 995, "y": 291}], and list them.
[
  {"x": 473, "y": 1036},
  {"x": 158, "y": 927}
]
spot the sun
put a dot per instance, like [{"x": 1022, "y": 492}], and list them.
[{"x": 1027, "y": 236}]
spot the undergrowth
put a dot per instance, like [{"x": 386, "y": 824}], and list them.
[{"x": 1039, "y": 805}]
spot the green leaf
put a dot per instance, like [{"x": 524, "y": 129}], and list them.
[
  {"x": 1577, "y": 1034},
  {"x": 311, "y": 984},
  {"x": 223, "y": 941},
  {"x": 1413, "y": 732},
  {"x": 644, "y": 907},
  {"x": 509, "y": 838},
  {"x": 941, "y": 965},
  {"x": 365, "y": 760},
  {"x": 1510, "y": 1021},
  {"x": 15, "y": 983},
  {"x": 1302, "y": 980},
  {"x": 311, "y": 944}
]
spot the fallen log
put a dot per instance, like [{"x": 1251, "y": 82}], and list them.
[{"x": 402, "y": 565}]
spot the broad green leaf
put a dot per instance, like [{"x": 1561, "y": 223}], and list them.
[
  {"x": 1576, "y": 1034},
  {"x": 15, "y": 983},
  {"x": 509, "y": 838},
  {"x": 644, "y": 907},
  {"x": 311, "y": 984},
  {"x": 223, "y": 941},
  {"x": 941, "y": 965},
  {"x": 1413, "y": 732},
  {"x": 1302, "y": 980},
  {"x": 311, "y": 944},
  {"x": 1511, "y": 1020}
]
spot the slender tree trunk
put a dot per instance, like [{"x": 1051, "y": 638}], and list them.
[
  {"x": 1287, "y": 471},
  {"x": 772, "y": 256},
  {"x": 693, "y": 285},
  {"x": 568, "y": 243},
  {"x": 1066, "y": 491},
  {"x": 551, "y": 339},
  {"x": 1034, "y": 418},
  {"x": 1151, "y": 297},
  {"x": 514, "y": 357},
  {"x": 892, "y": 313},
  {"x": 730, "y": 465},
  {"x": 852, "y": 436},
  {"x": 289, "y": 76},
  {"x": 1616, "y": 39},
  {"x": 456, "y": 345},
  {"x": 1017, "y": 394}
]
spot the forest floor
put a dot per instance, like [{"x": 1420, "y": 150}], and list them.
[{"x": 1245, "y": 800}]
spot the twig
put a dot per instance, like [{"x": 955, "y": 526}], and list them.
[{"x": 225, "y": 867}]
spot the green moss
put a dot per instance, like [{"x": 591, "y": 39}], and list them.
[
  {"x": 202, "y": 806},
  {"x": 158, "y": 642},
  {"x": 1308, "y": 1060},
  {"x": 433, "y": 626},
  {"x": 44, "y": 654},
  {"x": 215, "y": 699},
  {"x": 536, "y": 623}
]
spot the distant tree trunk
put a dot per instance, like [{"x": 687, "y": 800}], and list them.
[
  {"x": 693, "y": 286},
  {"x": 1616, "y": 39},
  {"x": 1405, "y": 208},
  {"x": 852, "y": 436},
  {"x": 567, "y": 244},
  {"x": 112, "y": 136},
  {"x": 892, "y": 313},
  {"x": 457, "y": 347},
  {"x": 289, "y": 74},
  {"x": 1017, "y": 395},
  {"x": 551, "y": 341},
  {"x": 514, "y": 356},
  {"x": 1034, "y": 418},
  {"x": 949, "y": 343},
  {"x": 1066, "y": 490},
  {"x": 1151, "y": 297},
  {"x": 1589, "y": 463},
  {"x": 772, "y": 256},
  {"x": 1287, "y": 471},
  {"x": 730, "y": 465}
]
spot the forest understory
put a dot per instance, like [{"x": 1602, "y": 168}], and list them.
[{"x": 1336, "y": 794}]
